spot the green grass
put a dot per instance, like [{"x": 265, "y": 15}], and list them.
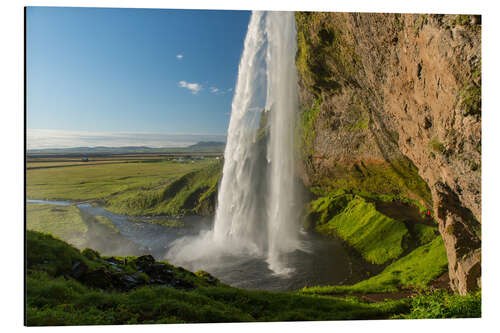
[
  {"x": 104, "y": 221},
  {"x": 425, "y": 234},
  {"x": 91, "y": 182},
  {"x": 51, "y": 255},
  {"x": 55, "y": 300},
  {"x": 376, "y": 237},
  {"x": 440, "y": 304},
  {"x": 64, "y": 222},
  {"x": 192, "y": 193},
  {"x": 134, "y": 188},
  {"x": 416, "y": 270},
  {"x": 173, "y": 223}
]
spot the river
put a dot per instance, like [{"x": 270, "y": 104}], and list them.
[{"x": 325, "y": 262}]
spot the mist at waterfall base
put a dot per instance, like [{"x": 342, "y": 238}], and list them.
[{"x": 256, "y": 234}]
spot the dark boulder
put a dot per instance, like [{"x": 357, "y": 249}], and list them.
[
  {"x": 99, "y": 278},
  {"x": 143, "y": 262},
  {"x": 79, "y": 269},
  {"x": 159, "y": 272},
  {"x": 126, "y": 282}
]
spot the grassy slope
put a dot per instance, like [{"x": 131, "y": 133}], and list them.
[
  {"x": 64, "y": 222},
  {"x": 155, "y": 188},
  {"x": 192, "y": 193},
  {"x": 55, "y": 300},
  {"x": 375, "y": 236},
  {"x": 77, "y": 228},
  {"x": 416, "y": 270}
]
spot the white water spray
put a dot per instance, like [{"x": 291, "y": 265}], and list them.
[
  {"x": 257, "y": 213},
  {"x": 247, "y": 219}
]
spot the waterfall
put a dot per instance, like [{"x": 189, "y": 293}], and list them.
[{"x": 257, "y": 208}]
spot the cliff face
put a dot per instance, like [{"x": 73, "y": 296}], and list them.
[{"x": 391, "y": 104}]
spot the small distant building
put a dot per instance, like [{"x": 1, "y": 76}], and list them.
[{"x": 85, "y": 159}]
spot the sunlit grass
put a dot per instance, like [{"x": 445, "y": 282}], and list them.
[
  {"x": 416, "y": 270},
  {"x": 91, "y": 182}
]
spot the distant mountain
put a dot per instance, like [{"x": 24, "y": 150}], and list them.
[
  {"x": 208, "y": 144},
  {"x": 200, "y": 147}
]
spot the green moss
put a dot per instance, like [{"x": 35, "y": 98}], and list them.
[
  {"x": 416, "y": 270},
  {"x": 397, "y": 179},
  {"x": 424, "y": 233},
  {"x": 324, "y": 77},
  {"x": 360, "y": 125},
  {"x": 463, "y": 20},
  {"x": 377, "y": 237},
  {"x": 321, "y": 210},
  {"x": 397, "y": 23},
  {"x": 306, "y": 129},
  {"x": 471, "y": 99},
  {"x": 437, "y": 146}
]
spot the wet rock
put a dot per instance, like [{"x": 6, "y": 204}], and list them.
[
  {"x": 144, "y": 261},
  {"x": 159, "y": 272},
  {"x": 115, "y": 261},
  {"x": 126, "y": 282},
  {"x": 99, "y": 278},
  {"x": 79, "y": 269},
  {"x": 115, "y": 267}
]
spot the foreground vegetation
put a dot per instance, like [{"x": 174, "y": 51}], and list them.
[
  {"x": 55, "y": 298},
  {"x": 57, "y": 295}
]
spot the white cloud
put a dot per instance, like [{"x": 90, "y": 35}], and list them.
[
  {"x": 44, "y": 138},
  {"x": 214, "y": 90},
  {"x": 230, "y": 89},
  {"x": 193, "y": 87},
  {"x": 179, "y": 56}
]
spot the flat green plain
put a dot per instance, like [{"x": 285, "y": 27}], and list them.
[{"x": 97, "y": 182}]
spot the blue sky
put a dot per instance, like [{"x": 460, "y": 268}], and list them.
[{"x": 97, "y": 72}]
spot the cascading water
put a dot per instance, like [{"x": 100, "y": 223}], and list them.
[
  {"x": 257, "y": 211},
  {"x": 246, "y": 218}
]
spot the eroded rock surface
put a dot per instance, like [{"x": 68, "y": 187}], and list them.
[{"x": 391, "y": 104}]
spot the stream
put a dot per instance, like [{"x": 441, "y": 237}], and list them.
[{"x": 326, "y": 261}]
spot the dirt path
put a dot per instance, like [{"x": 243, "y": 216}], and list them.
[{"x": 442, "y": 282}]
